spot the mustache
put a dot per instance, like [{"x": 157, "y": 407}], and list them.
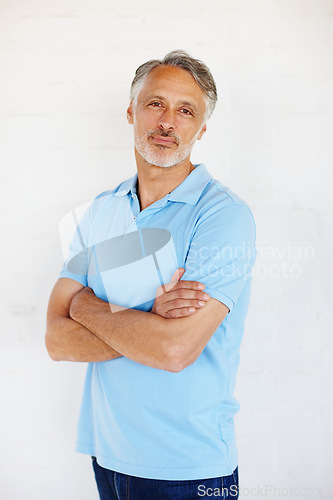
[{"x": 164, "y": 133}]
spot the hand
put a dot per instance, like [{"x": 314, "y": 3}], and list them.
[{"x": 179, "y": 298}]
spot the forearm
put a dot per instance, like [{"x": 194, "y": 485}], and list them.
[
  {"x": 67, "y": 340},
  {"x": 140, "y": 336}
]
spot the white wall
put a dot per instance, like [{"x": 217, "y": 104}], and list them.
[{"x": 65, "y": 71}]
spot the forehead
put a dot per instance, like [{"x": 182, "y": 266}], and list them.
[{"x": 172, "y": 82}]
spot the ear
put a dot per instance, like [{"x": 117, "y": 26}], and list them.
[
  {"x": 130, "y": 113},
  {"x": 202, "y": 131}
]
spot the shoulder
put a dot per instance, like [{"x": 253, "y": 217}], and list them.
[
  {"x": 105, "y": 198},
  {"x": 220, "y": 204},
  {"x": 110, "y": 193},
  {"x": 225, "y": 221}
]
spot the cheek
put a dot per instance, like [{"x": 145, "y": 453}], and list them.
[
  {"x": 188, "y": 135},
  {"x": 137, "y": 127},
  {"x": 143, "y": 125}
]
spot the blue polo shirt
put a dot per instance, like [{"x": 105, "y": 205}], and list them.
[{"x": 143, "y": 421}]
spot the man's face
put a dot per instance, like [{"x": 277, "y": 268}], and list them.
[{"x": 168, "y": 117}]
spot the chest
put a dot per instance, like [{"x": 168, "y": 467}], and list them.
[{"x": 132, "y": 254}]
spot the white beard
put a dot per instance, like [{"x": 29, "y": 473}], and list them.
[{"x": 159, "y": 155}]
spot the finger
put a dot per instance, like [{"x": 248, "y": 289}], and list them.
[
  {"x": 184, "y": 294},
  {"x": 174, "y": 280},
  {"x": 194, "y": 285},
  {"x": 180, "y": 313},
  {"x": 181, "y": 304},
  {"x": 177, "y": 275}
]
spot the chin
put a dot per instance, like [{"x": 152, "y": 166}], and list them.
[
  {"x": 160, "y": 160},
  {"x": 159, "y": 157},
  {"x": 163, "y": 164}
]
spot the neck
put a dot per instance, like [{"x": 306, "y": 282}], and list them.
[{"x": 155, "y": 182}]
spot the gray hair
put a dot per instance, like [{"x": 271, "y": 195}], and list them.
[{"x": 179, "y": 59}]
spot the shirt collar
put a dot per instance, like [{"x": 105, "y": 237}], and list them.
[
  {"x": 128, "y": 186},
  {"x": 188, "y": 191}
]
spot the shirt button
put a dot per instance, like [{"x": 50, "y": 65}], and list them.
[{"x": 134, "y": 218}]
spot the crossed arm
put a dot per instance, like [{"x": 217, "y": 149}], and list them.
[{"x": 81, "y": 327}]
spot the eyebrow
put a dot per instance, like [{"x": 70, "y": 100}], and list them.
[{"x": 188, "y": 103}]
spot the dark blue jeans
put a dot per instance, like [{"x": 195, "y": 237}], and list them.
[{"x": 116, "y": 486}]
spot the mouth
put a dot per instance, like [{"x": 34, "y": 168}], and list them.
[{"x": 164, "y": 141}]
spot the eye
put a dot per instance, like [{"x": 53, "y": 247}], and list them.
[
  {"x": 185, "y": 111},
  {"x": 155, "y": 104}
]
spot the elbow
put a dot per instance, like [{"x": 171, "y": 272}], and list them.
[
  {"x": 51, "y": 347},
  {"x": 177, "y": 359},
  {"x": 178, "y": 352},
  {"x": 174, "y": 367},
  {"x": 54, "y": 356}
]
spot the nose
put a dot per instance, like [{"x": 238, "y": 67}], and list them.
[{"x": 166, "y": 120}]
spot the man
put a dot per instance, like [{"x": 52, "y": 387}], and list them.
[{"x": 158, "y": 406}]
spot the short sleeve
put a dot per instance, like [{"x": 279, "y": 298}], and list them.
[
  {"x": 76, "y": 252},
  {"x": 222, "y": 252}
]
